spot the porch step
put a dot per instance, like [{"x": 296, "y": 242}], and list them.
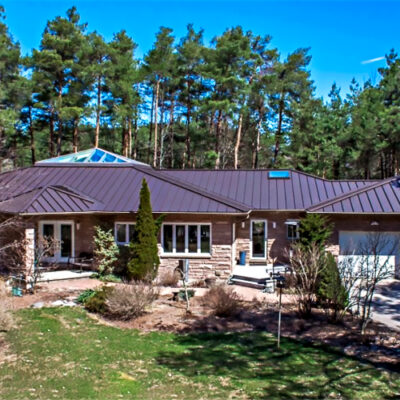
[
  {"x": 266, "y": 284},
  {"x": 63, "y": 275}
]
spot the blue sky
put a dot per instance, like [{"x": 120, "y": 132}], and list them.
[{"x": 341, "y": 34}]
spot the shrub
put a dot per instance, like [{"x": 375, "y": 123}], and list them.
[
  {"x": 105, "y": 251},
  {"x": 85, "y": 295},
  {"x": 315, "y": 229},
  {"x": 6, "y": 319},
  {"x": 169, "y": 278},
  {"x": 331, "y": 293},
  {"x": 97, "y": 302},
  {"x": 130, "y": 301},
  {"x": 223, "y": 301},
  {"x": 144, "y": 250}
]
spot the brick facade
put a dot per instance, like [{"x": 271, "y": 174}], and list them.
[{"x": 230, "y": 235}]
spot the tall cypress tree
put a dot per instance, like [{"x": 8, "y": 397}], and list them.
[{"x": 144, "y": 261}]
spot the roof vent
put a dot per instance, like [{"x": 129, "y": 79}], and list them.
[{"x": 279, "y": 174}]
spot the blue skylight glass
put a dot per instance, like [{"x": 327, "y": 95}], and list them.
[
  {"x": 95, "y": 155},
  {"x": 279, "y": 174}
]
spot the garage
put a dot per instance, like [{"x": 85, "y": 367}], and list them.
[{"x": 358, "y": 248}]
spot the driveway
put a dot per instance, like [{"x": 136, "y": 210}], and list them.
[{"x": 386, "y": 304}]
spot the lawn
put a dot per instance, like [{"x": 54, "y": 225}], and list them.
[{"x": 63, "y": 353}]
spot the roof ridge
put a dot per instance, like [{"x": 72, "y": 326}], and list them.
[
  {"x": 345, "y": 196},
  {"x": 193, "y": 188},
  {"x": 266, "y": 170},
  {"x": 69, "y": 191}
]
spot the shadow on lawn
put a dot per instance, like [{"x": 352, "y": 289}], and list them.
[{"x": 296, "y": 371}]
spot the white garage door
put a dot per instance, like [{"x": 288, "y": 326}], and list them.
[{"x": 359, "y": 247}]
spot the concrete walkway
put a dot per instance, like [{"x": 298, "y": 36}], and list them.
[
  {"x": 63, "y": 275},
  {"x": 386, "y": 304}
]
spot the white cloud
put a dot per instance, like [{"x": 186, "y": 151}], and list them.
[{"x": 372, "y": 60}]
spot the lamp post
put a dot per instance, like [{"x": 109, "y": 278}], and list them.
[{"x": 280, "y": 283}]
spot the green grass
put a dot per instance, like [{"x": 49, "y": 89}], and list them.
[{"x": 62, "y": 353}]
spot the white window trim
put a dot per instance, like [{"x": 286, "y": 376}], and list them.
[
  {"x": 292, "y": 222},
  {"x": 127, "y": 223},
  {"x": 186, "y": 253},
  {"x": 57, "y": 223},
  {"x": 252, "y": 257}
]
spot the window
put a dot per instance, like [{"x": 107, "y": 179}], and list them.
[
  {"x": 292, "y": 229},
  {"x": 258, "y": 235},
  {"x": 186, "y": 238},
  {"x": 124, "y": 232}
]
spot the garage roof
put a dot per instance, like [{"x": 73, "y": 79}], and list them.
[{"x": 380, "y": 197}]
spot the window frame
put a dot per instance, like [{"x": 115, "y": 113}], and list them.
[
  {"x": 292, "y": 222},
  {"x": 186, "y": 253},
  {"x": 252, "y": 256},
  {"x": 126, "y": 223}
]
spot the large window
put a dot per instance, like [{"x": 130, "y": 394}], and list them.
[
  {"x": 124, "y": 232},
  {"x": 186, "y": 238},
  {"x": 258, "y": 236}
]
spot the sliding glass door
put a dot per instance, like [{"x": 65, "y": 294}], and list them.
[{"x": 62, "y": 233}]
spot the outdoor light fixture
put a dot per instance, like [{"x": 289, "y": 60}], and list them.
[
  {"x": 78, "y": 226},
  {"x": 243, "y": 224},
  {"x": 274, "y": 225},
  {"x": 374, "y": 223}
]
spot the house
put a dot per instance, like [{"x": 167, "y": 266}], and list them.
[{"x": 211, "y": 216}]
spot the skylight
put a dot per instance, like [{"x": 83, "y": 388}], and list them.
[
  {"x": 94, "y": 155},
  {"x": 279, "y": 174}
]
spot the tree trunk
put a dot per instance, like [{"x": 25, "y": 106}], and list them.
[
  {"x": 257, "y": 146},
  {"x": 129, "y": 137},
  {"x": 150, "y": 127},
  {"x": 135, "y": 147},
  {"x": 59, "y": 137},
  {"x": 156, "y": 125},
  {"x": 217, "y": 139},
  {"x": 97, "y": 133},
  {"x": 75, "y": 136},
  {"x": 60, "y": 127},
  {"x": 32, "y": 138},
  {"x": 187, "y": 155},
  {"x": 238, "y": 139},
  {"x": 51, "y": 139},
  {"x": 278, "y": 134},
  {"x": 125, "y": 138},
  {"x": 171, "y": 134}
]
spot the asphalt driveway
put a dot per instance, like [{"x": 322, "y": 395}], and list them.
[{"x": 386, "y": 304}]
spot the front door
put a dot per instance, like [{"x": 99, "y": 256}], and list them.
[{"x": 63, "y": 234}]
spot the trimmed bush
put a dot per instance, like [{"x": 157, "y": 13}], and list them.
[
  {"x": 126, "y": 302},
  {"x": 331, "y": 293},
  {"x": 85, "y": 296},
  {"x": 144, "y": 250},
  {"x": 97, "y": 302},
  {"x": 223, "y": 301},
  {"x": 105, "y": 251},
  {"x": 169, "y": 278}
]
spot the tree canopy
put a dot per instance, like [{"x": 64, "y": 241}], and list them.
[{"x": 234, "y": 103}]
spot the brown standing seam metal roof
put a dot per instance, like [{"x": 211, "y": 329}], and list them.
[
  {"x": 257, "y": 191},
  {"x": 67, "y": 188},
  {"x": 381, "y": 197},
  {"x": 103, "y": 188}
]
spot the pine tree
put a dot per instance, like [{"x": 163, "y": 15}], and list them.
[
  {"x": 144, "y": 251},
  {"x": 10, "y": 81},
  {"x": 315, "y": 229}
]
